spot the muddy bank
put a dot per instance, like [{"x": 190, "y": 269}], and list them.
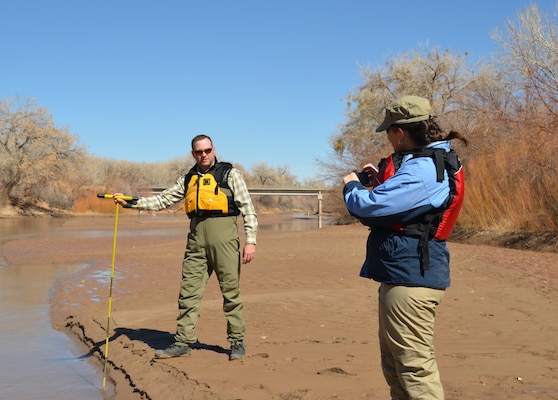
[{"x": 311, "y": 321}]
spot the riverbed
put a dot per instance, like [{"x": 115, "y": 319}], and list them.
[{"x": 39, "y": 362}]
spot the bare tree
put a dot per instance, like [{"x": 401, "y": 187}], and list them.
[
  {"x": 529, "y": 61},
  {"x": 443, "y": 78},
  {"x": 36, "y": 157},
  {"x": 263, "y": 174},
  {"x": 529, "y": 56}
]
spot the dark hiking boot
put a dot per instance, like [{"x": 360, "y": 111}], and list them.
[
  {"x": 237, "y": 351},
  {"x": 174, "y": 350}
]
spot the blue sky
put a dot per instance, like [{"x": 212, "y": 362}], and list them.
[{"x": 136, "y": 80}]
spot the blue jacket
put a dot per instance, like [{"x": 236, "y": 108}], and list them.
[{"x": 413, "y": 191}]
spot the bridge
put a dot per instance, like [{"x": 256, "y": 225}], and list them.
[
  {"x": 281, "y": 191},
  {"x": 266, "y": 191}
]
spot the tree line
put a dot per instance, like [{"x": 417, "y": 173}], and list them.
[
  {"x": 507, "y": 106},
  {"x": 43, "y": 165}
]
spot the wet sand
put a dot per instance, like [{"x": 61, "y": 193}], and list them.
[{"x": 311, "y": 321}]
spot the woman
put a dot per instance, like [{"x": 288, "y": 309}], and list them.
[{"x": 416, "y": 196}]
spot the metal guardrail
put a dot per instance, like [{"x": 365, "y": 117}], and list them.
[
  {"x": 281, "y": 191},
  {"x": 262, "y": 190},
  {"x": 266, "y": 191}
]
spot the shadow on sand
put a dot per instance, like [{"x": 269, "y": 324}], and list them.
[{"x": 153, "y": 338}]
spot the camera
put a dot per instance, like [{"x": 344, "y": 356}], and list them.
[{"x": 363, "y": 177}]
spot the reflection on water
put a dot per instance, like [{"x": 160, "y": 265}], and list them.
[
  {"x": 38, "y": 362},
  {"x": 19, "y": 228},
  {"x": 292, "y": 223}
]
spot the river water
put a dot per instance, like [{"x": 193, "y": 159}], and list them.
[{"x": 37, "y": 361}]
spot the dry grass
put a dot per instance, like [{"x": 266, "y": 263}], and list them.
[
  {"x": 513, "y": 187},
  {"x": 92, "y": 204}
]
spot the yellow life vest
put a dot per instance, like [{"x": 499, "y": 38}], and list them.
[{"x": 209, "y": 195}]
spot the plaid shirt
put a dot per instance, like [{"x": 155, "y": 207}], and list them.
[{"x": 177, "y": 192}]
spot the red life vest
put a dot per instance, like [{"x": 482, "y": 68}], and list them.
[{"x": 443, "y": 160}]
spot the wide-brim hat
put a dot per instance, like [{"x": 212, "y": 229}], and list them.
[{"x": 405, "y": 110}]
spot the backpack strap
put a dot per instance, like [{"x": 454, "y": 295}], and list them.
[{"x": 426, "y": 228}]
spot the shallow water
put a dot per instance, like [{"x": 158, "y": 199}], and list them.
[{"x": 37, "y": 361}]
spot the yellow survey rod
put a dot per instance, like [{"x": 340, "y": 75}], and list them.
[
  {"x": 111, "y": 196},
  {"x": 129, "y": 201}
]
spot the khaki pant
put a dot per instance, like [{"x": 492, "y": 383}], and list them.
[
  {"x": 406, "y": 333},
  {"x": 213, "y": 246}
]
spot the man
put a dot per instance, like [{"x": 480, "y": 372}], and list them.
[{"x": 215, "y": 194}]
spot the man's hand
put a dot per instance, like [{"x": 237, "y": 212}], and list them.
[
  {"x": 121, "y": 202},
  {"x": 248, "y": 253}
]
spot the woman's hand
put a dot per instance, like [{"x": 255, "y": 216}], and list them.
[
  {"x": 367, "y": 176},
  {"x": 350, "y": 177},
  {"x": 372, "y": 173}
]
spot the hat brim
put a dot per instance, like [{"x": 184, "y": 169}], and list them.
[
  {"x": 384, "y": 125},
  {"x": 389, "y": 122}
]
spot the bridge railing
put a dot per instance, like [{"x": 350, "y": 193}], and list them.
[
  {"x": 282, "y": 191},
  {"x": 265, "y": 191}
]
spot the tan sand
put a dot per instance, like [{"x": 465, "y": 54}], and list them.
[{"x": 311, "y": 321}]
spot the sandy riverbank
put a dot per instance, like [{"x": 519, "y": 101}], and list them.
[{"x": 311, "y": 320}]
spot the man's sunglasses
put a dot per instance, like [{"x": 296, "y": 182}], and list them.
[{"x": 200, "y": 152}]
